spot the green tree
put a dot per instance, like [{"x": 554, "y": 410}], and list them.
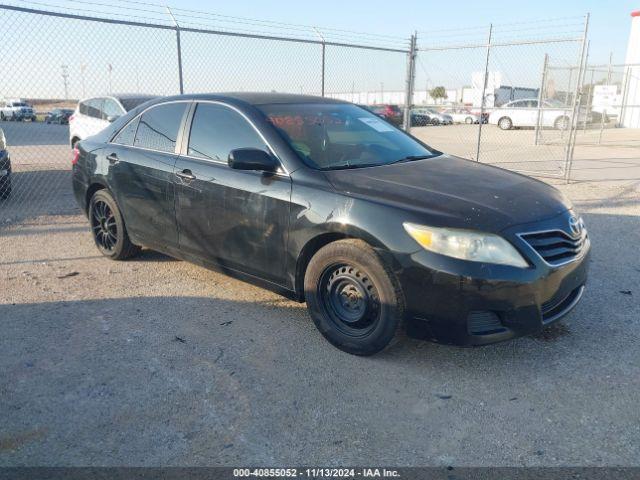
[{"x": 438, "y": 93}]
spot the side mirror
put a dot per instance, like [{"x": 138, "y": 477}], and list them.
[
  {"x": 112, "y": 118},
  {"x": 252, "y": 159}
]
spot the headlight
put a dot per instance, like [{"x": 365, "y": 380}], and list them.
[{"x": 466, "y": 245}]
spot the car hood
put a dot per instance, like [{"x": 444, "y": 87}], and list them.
[{"x": 453, "y": 192}]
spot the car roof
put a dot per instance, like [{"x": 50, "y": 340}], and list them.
[{"x": 256, "y": 98}]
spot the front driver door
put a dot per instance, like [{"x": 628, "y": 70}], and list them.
[{"x": 238, "y": 219}]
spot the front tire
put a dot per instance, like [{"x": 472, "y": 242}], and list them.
[
  {"x": 468, "y": 120},
  {"x": 353, "y": 297},
  {"x": 108, "y": 229},
  {"x": 505, "y": 123}
]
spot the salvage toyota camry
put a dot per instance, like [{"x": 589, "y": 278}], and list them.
[{"x": 324, "y": 202}]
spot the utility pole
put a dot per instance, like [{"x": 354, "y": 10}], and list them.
[
  {"x": 110, "y": 69},
  {"x": 65, "y": 80},
  {"x": 83, "y": 67}
]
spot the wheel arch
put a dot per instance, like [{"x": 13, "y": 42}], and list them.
[
  {"x": 93, "y": 188},
  {"x": 320, "y": 240}
]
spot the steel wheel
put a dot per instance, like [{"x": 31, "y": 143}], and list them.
[
  {"x": 104, "y": 227},
  {"x": 350, "y": 299}
]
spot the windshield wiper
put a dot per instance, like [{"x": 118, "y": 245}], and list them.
[
  {"x": 349, "y": 166},
  {"x": 410, "y": 158}
]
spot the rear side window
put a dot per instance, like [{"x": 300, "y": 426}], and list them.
[
  {"x": 128, "y": 133},
  {"x": 216, "y": 130},
  {"x": 158, "y": 127},
  {"x": 111, "y": 109},
  {"x": 82, "y": 108}
]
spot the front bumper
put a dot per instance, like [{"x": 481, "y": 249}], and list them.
[{"x": 464, "y": 303}]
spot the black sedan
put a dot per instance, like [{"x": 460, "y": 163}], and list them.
[
  {"x": 59, "y": 116},
  {"x": 324, "y": 202}
]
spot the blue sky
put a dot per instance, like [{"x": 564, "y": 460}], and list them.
[
  {"x": 103, "y": 57},
  {"x": 609, "y": 25}
]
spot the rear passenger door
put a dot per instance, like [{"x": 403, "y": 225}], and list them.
[
  {"x": 238, "y": 219},
  {"x": 141, "y": 158}
]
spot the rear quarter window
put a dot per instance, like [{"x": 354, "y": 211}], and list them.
[
  {"x": 127, "y": 135},
  {"x": 158, "y": 127}
]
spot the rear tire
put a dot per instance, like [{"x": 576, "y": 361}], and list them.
[
  {"x": 353, "y": 297},
  {"x": 561, "y": 123},
  {"x": 108, "y": 229},
  {"x": 505, "y": 123}
]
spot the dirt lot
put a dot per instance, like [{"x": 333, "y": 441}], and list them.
[{"x": 158, "y": 362}]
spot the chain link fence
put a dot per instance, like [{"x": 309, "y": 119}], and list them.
[
  {"x": 516, "y": 95},
  {"x": 507, "y": 105}
]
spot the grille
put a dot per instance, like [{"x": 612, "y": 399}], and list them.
[
  {"x": 556, "y": 247},
  {"x": 484, "y": 323}
]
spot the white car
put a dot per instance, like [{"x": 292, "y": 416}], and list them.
[
  {"x": 524, "y": 113},
  {"x": 94, "y": 114},
  {"x": 462, "y": 115},
  {"x": 436, "y": 117}
]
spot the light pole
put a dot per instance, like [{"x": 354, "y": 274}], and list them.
[
  {"x": 65, "y": 80},
  {"x": 83, "y": 67},
  {"x": 110, "y": 69}
]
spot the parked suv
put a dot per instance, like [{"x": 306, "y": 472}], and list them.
[
  {"x": 5, "y": 168},
  {"x": 17, "y": 110},
  {"x": 94, "y": 114},
  {"x": 325, "y": 202}
]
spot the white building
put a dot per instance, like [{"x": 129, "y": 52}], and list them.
[{"x": 631, "y": 112}]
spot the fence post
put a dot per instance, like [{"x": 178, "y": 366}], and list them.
[
  {"x": 576, "y": 105},
  {"x": 180, "y": 80},
  {"x": 543, "y": 83},
  {"x": 322, "y": 67},
  {"x": 410, "y": 81},
  {"x": 484, "y": 92}
]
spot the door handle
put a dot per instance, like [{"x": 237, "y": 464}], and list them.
[
  {"x": 186, "y": 175},
  {"x": 113, "y": 158}
]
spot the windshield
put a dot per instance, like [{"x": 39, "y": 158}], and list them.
[
  {"x": 335, "y": 136},
  {"x": 19, "y": 104}
]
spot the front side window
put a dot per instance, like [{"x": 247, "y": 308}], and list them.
[
  {"x": 334, "y": 136},
  {"x": 159, "y": 126},
  {"x": 216, "y": 130},
  {"x": 127, "y": 135}
]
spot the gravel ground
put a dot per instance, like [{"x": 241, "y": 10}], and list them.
[{"x": 159, "y": 362}]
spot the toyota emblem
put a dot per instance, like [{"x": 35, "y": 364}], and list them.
[{"x": 575, "y": 225}]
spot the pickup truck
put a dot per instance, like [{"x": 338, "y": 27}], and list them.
[{"x": 16, "y": 110}]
